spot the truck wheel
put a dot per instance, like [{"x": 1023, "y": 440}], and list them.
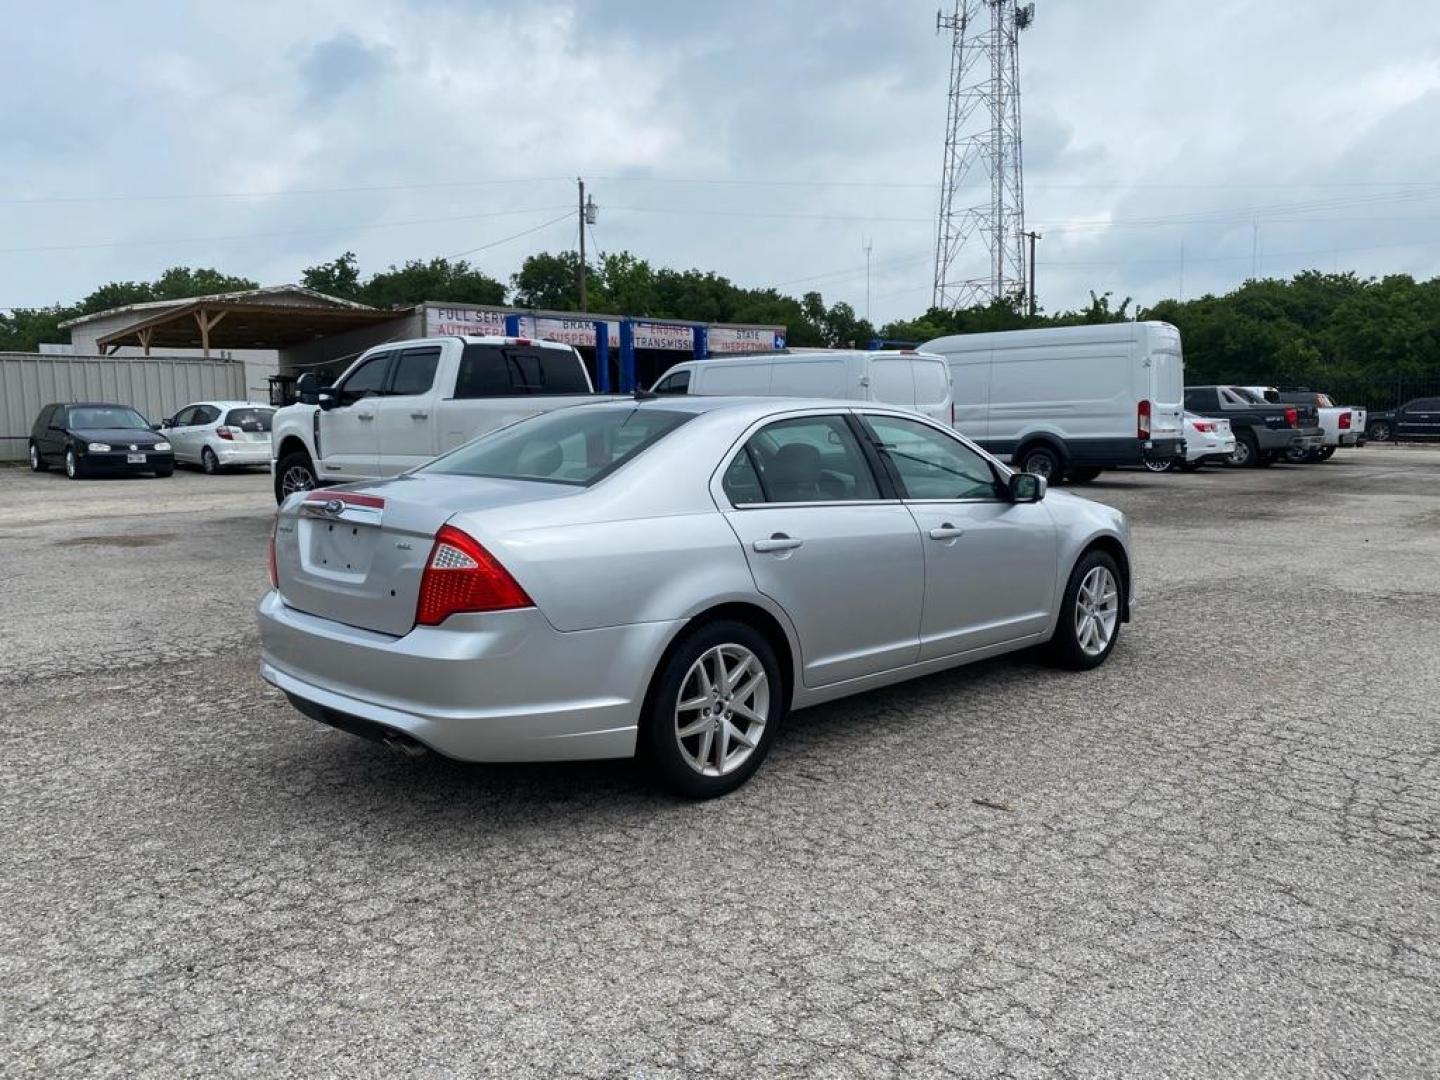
[
  {"x": 1380, "y": 431},
  {"x": 1040, "y": 459},
  {"x": 1156, "y": 464},
  {"x": 1246, "y": 453},
  {"x": 294, "y": 472},
  {"x": 1083, "y": 475},
  {"x": 1325, "y": 453},
  {"x": 1298, "y": 456}
]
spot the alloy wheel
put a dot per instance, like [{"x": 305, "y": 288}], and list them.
[
  {"x": 1040, "y": 463},
  {"x": 1097, "y": 610},
  {"x": 34, "y": 458},
  {"x": 208, "y": 462},
  {"x": 296, "y": 478},
  {"x": 1241, "y": 454},
  {"x": 1156, "y": 465},
  {"x": 1380, "y": 432},
  {"x": 722, "y": 709},
  {"x": 70, "y": 465}
]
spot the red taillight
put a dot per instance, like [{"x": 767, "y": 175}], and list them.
[
  {"x": 1203, "y": 426},
  {"x": 462, "y": 576},
  {"x": 274, "y": 568},
  {"x": 1142, "y": 420},
  {"x": 1292, "y": 417},
  {"x": 225, "y": 433},
  {"x": 1344, "y": 421},
  {"x": 519, "y": 341}
]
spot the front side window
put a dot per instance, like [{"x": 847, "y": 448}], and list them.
[
  {"x": 186, "y": 416},
  {"x": 676, "y": 383},
  {"x": 415, "y": 371},
  {"x": 578, "y": 446},
  {"x": 930, "y": 464},
  {"x": 366, "y": 380},
  {"x": 811, "y": 459}
]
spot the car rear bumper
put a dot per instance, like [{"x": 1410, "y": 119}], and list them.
[
  {"x": 1351, "y": 438},
  {"x": 500, "y": 687},
  {"x": 241, "y": 453}
]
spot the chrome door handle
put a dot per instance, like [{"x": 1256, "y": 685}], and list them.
[
  {"x": 777, "y": 542},
  {"x": 946, "y": 532},
  {"x": 364, "y": 416},
  {"x": 419, "y": 416}
]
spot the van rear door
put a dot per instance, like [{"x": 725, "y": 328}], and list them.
[
  {"x": 891, "y": 381},
  {"x": 1166, "y": 389},
  {"x": 932, "y": 388}
]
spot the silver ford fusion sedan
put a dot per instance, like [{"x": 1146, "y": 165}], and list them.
[{"x": 670, "y": 577}]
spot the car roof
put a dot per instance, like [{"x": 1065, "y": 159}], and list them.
[
  {"x": 752, "y": 406},
  {"x": 230, "y": 404}
]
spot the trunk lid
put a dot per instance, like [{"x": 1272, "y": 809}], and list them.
[{"x": 357, "y": 554}]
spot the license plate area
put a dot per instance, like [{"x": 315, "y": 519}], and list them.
[
  {"x": 135, "y": 459},
  {"x": 337, "y": 549}
]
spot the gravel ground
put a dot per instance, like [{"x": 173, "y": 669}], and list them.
[{"x": 1215, "y": 856}]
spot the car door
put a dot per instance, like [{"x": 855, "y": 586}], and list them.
[
  {"x": 349, "y": 443},
  {"x": 989, "y": 563},
  {"x": 826, "y": 544},
  {"x": 54, "y": 435},
  {"x": 403, "y": 416},
  {"x": 178, "y": 428}
]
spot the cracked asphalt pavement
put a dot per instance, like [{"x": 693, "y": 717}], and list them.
[{"x": 1215, "y": 856}]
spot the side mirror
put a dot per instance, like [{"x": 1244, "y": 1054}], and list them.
[
  {"x": 327, "y": 399},
  {"x": 169, "y": 421},
  {"x": 160, "y": 426},
  {"x": 1026, "y": 487},
  {"x": 307, "y": 389}
]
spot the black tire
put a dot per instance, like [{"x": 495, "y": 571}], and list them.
[
  {"x": 163, "y": 473},
  {"x": 1247, "y": 452},
  {"x": 290, "y": 467},
  {"x": 1157, "y": 465},
  {"x": 1325, "y": 453},
  {"x": 1297, "y": 456},
  {"x": 1065, "y": 647},
  {"x": 1083, "y": 475},
  {"x": 660, "y": 741},
  {"x": 1380, "y": 431},
  {"x": 209, "y": 462},
  {"x": 74, "y": 467},
  {"x": 37, "y": 463},
  {"x": 1042, "y": 459}
]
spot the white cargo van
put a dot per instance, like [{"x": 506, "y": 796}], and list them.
[
  {"x": 1073, "y": 400},
  {"x": 908, "y": 379}
]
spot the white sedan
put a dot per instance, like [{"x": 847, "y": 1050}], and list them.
[
  {"x": 1208, "y": 441},
  {"x": 221, "y": 434}
]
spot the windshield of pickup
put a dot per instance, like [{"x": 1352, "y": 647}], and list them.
[{"x": 578, "y": 446}]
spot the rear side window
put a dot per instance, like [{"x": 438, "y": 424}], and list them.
[
  {"x": 576, "y": 446},
  {"x": 415, "y": 371},
  {"x": 253, "y": 420},
  {"x": 932, "y": 385},
  {"x": 205, "y": 414},
  {"x": 513, "y": 371},
  {"x": 811, "y": 459}
]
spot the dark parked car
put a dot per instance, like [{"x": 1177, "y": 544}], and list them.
[
  {"x": 98, "y": 439},
  {"x": 1418, "y": 418}
]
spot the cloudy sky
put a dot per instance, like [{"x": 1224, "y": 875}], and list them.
[{"x": 768, "y": 140}]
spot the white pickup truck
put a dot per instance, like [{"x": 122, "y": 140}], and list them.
[
  {"x": 402, "y": 403},
  {"x": 1341, "y": 425}
]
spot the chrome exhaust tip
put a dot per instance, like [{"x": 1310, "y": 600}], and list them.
[{"x": 405, "y": 746}]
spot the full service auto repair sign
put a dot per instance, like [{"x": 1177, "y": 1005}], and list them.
[{"x": 671, "y": 337}]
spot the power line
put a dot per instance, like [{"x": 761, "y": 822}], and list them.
[
  {"x": 272, "y": 235},
  {"x": 516, "y": 236}
]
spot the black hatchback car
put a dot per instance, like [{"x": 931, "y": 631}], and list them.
[{"x": 98, "y": 439}]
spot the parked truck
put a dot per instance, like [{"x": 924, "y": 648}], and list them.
[
  {"x": 1340, "y": 425},
  {"x": 1264, "y": 432},
  {"x": 402, "y": 403}
]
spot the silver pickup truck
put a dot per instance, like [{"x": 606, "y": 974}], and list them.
[{"x": 405, "y": 402}]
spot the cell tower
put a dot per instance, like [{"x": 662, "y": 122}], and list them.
[{"x": 982, "y": 139}]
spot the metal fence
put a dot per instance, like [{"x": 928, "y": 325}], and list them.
[
  {"x": 1374, "y": 394},
  {"x": 155, "y": 385}
]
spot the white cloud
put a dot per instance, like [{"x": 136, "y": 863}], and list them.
[{"x": 1135, "y": 111}]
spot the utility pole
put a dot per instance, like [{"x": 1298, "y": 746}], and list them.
[
  {"x": 868, "y": 245},
  {"x": 982, "y": 145},
  {"x": 1033, "y": 235},
  {"x": 581, "y": 219}
]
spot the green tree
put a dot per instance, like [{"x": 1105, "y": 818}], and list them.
[
  {"x": 548, "y": 281},
  {"x": 438, "y": 279},
  {"x": 339, "y": 277}
]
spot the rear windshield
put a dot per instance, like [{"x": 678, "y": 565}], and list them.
[
  {"x": 250, "y": 419},
  {"x": 1248, "y": 395},
  {"x": 569, "y": 446},
  {"x": 107, "y": 417}
]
